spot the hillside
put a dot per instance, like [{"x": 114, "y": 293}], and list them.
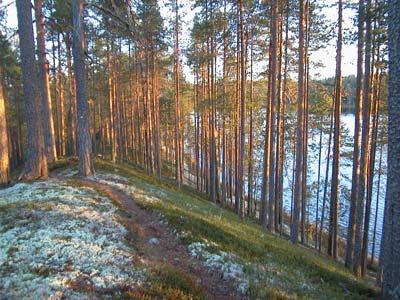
[{"x": 121, "y": 234}]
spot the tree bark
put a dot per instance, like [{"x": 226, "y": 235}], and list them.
[
  {"x": 224, "y": 96},
  {"x": 299, "y": 133},
  {"x": 334, "y": 204},
  {"x": 371, "y": 168},
  {"x": 328, "y": 157},
  {"x": 391, "y": 261},
  {"x": 4, "y": 153},
  {"x": 48, "y": 124},
  {"x": 272, "y": 104},
  {"x": 36, "y": 161},
  {"x": 250, "y": 184},
  {"x": 364, "y": 147},
  {"x": 83, "y": 136},
  {"x": 61, "y": 103},
  {"x": 318, "y": 182},
  {"x": 178, "y": 168},
  {"x": 243, "y": 79},
  {"x": 378, "y": 194},
  {"x": 357, "y": 145}
]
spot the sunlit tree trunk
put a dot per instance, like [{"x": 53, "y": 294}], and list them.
[
  {"x": 299, "y": 132},
  {"x": 61, "y": 102},
  {"x": 224, "y": 96},
  {"x": 334, "y": 204},
  {"x": 284, "y": 99},
  {"x": 4, "y": 155},
  {"x": 250, "y": 184},
  {"x": 371, "y": 165},
  {"x": 48, "y": 125},
  {"x": 243, "y": 82},
  {"x": 304, "y": 214},
  {"x": 178, "y": 168},
  {"x": 156, "y": 108},
  {"x": 109, "y": 141},
  {"x": 365, "y": 135},
  {"x": 357, "y": 145},
  {"x": 236, "y": 113}
]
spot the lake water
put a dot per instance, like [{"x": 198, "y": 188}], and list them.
[
  {"x": 345, "y": 170},
  {"x": 347, "y": 121}
]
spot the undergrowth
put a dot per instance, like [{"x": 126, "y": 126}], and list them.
[{"x": 287, "y": 271}]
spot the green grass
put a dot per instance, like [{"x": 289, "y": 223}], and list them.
[
  {"x": 168, "y": 282},
  {"x": 283, "y": 270}
]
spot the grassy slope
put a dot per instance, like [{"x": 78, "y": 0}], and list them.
[{"x": 287, "y": 271}]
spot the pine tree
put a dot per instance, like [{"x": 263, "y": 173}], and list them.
[
  {"x": 83, "y": 134},
  {"x": 4, "y": 155},
  {"x": 36, "y": 161},
  {"x": 300, "y": 129},
  {"x": 48, "y": 125},
  {"x": 334, "y": 204},
  {"x": 365, "y": 137},
  {"x": 357, "y": 145},
  {"x": 391, "y": 252}
]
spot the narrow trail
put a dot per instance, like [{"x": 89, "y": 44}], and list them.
[{"x": 157, "y": 244}]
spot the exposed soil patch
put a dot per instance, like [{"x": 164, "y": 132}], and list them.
[{"x": 157, "y": 244}]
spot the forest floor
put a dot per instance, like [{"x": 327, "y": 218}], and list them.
[{"x": 122, "y": 234}]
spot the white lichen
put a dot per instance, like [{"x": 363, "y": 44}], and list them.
[
  {"x": 148, "y": 194},
  {"x": 226, "y": 263},
  {"x": 53, "y": 235},
  {"x": 231, "y": 269}
]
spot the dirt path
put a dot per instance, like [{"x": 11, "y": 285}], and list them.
[{"x": 157, "y": 244}]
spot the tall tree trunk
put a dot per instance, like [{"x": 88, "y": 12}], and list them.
[
  {"x": 305, "y": 122},
  {"x": 4, "y": 155},
  {"x": 371, "y": 168},
  {"x": 250, "y": 183},
  {"x": 156, "y": 114},
  {"x": 61, "y": 102},
  {"x": 178, "y": 167},
  {"x": 272, "y": 104},
  {"x": 48, "y": 125},
  {"x": 328, "y": 157},
  {"x": 236, "y": 114},
  {"x": 280, "y": 134},
  {"x": 197, "y": 131},
  {"x": 299, "y": 132},
  {"x": 243, "y": 80},
  {"x": 211, "y": 99},
  {"x": 357, "y": 145},
  {"x": 364, "y": 146},
  {"x": 284, "y": 98},
  {"x": 83, "y": 137},
  {"x": 391, "y": 227},
  {"x": 72, "y": 145},
  {"x": 36, "y": 161},
  {"x": 378, "y": 194},
  {"x": 223, "y": 163},
  {"x": 318, "y": 181},
  {"x": 334, "y": 204}
]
